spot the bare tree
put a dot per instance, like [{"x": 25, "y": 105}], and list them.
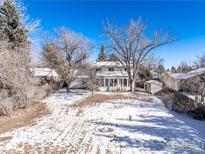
[
  {"x": 132, "y": 47},
  {"x": 16, "y": 81},
  {"x": 200, "y": 61},
  {"x": 184, "y": 67},
  {"x": 92, "y": 82},
  {"x": 153, "y": 63},
  {"x": 66, "y": 53}
]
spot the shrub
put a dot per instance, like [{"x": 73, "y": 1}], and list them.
[
  {"x": 198, "y": 113},
  {"x": 177, "y": 101}
]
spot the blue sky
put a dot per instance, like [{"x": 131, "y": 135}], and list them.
[{"x": 186, "y": 19}]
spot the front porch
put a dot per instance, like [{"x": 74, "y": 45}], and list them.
[{"x": 111, "y": 83}]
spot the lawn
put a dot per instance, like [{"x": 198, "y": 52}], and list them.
[{"x": 106, "y": 123}]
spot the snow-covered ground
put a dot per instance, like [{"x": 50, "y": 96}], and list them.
[{"x": 106, "y": 128}]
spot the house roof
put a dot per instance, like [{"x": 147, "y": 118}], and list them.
[
  {"x": 188, "y": 75},
  {"x": 153, "y": 81},
  {"x": 112, "y": 74},
  {"x": 106, "y": 64},
  {"x": 40, "y": 72}
]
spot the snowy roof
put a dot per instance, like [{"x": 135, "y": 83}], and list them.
[
  {"x": 153, "y": 81},
  {"x": 152, "y": 71},
  {"x": 112, "y": 74},
  {"x": 106, "y": 64},
  {"x": 188, "y": 74},
  {"x": 44, "y": 72}
]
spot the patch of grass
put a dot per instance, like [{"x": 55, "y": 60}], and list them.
[
  {"x": 23, "y": 117},
  {"x": 5, "y": 138},
  {"x": 28, "y": 149},
  {"x": 100, "y": 98}
]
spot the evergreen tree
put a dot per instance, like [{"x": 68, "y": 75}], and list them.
[
  {"x": 179, "y": 69},
  {"x": 173, "y": 69},
  {"x": 113, "y": 57},
  {"x": 11, "y": 26},
  {"x": 102, "y": 56},
  {"x": 160, "y": 68}
]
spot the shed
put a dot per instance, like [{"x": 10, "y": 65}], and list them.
[{"x": 153, "y": 86}]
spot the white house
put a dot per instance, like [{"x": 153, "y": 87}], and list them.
[
  {"x": 45, "y": 73},
  {"x": 111, "y": 76},
  {"x": 155, "y": 75},
  {"x": 174, "y": 80}
]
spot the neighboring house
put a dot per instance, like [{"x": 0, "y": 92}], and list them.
[
  {"x": 79, "y": 82},
  {"x": 111, "y": 75},
  {"x": 153, "y": 86},
  {"x": 174, "y": 80},
  {"x": 155, "y": 75},
  {"x": 45, "y": 73}
]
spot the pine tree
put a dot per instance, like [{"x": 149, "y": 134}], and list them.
[
  {"x": 173, "y": 69},
  {"x": 160, "y": 68},
  {"x": 113, "y": 57},
  {"x": 102, "y": 56},
  {"x": 179, "y": 69},
  {"x": 11, "y": 26}
]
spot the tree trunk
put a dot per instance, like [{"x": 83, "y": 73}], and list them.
[
  {"x": 202, "y": 99},
  {"x": 132, "y": 85},
  {"x": 68, "y": 86}
]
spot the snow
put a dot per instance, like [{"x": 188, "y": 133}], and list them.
[
  {"x": 119, "y": 70},
  {"x": 188, "y": 74},
  {"x": 44, "y": 72},
  {"x": 106, "y": 128},
  {"x": 106, "y": 64},
  {"x": 112, "y": 74},
  {"x": 153, "y": 81}
]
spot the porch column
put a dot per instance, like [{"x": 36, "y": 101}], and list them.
[{"x": 118, "y": 82}]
